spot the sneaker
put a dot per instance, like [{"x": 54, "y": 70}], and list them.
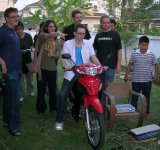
[
  {"x": 21, "y": 99},
  {"x": 32, "y": 94},
  {"x": 58, "y": 126}
]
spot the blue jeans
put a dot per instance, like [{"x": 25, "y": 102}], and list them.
[
  {"x": 145, "y": 88},
  {"x": 107, "y": 76},
  {"x": 11, "y": 99},
  {"x": 66, "y": 88}
]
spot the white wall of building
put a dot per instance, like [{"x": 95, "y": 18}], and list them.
[
  {"x": 154, "y": 46},
  {"x": 4, "y": 4},
  {"x": 26, "y": 13}
]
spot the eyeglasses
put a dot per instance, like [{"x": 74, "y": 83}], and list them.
[
  {"x": 81, "y": 34},
  {"x": 14, "y": 17}
]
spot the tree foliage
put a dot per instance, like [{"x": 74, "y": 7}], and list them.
[
  {"x": 111, "y": 5},
  {"x": 144, "y": 4},
  {"x": 131, "y": 11},
  {"x": 132, "y": 15},
  {"x": 127, "y": 36},
  {"x": 34, "y": 20},
  {"x": 59, "y": 11}
]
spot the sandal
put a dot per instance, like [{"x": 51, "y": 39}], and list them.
[{"x": 15, "y": 132}]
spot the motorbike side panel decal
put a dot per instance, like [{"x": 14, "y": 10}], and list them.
[{"x": 91, "y": 84}]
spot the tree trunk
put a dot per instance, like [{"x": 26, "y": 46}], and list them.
[{"x": 125, "y": 55}]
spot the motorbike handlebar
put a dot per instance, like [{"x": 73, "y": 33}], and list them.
[
  {"x": 79, "y": 70},
  {"x": 70, "y": 69}
]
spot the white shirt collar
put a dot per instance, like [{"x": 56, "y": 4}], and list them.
[{"x": 138, "y": 51}]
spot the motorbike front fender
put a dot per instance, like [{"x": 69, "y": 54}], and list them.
[{"x": 94, "y": 102}]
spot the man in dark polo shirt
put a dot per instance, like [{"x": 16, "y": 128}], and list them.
[
  {"x": 10, "y": 61},
  {"x": 69, "y": 30}
]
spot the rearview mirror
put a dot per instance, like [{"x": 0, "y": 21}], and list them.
[{"x": 66, "y": 56}]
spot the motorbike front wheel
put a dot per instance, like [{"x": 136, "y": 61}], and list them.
[{"x": 96, "y": 134}]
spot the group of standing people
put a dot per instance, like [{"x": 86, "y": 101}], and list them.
[
  {"x": 81, "y": 49},
  {"x": 106, "y": 50},
  {"x": 16, "y": 61}
]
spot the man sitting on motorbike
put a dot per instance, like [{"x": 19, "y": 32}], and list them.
[{"x": 81, "y": 51}]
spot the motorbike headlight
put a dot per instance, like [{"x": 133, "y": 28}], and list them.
[{"x": 91, "y": 71}]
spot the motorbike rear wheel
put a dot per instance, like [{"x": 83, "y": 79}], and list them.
[{"x": 96, "y": 136}]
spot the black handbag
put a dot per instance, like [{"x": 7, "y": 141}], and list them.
[{"x": 24, "y": 68}]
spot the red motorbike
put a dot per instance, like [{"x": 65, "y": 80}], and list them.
[{"x": 84, "y": 103}]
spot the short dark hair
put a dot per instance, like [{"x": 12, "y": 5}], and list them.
[
  {"x": 9, "y": 10},
  {"x": 20, "y": 24},
  {"x": 74, "y": 12},
  {"x": 30, "y": 28},
  {"x": 79, "y": 26},
  {"x": 41, "y": 24},
  {"x": 113, "y": 21},
  {"x": 103, "y": 17},
  {"x": 144, "y": 39}
]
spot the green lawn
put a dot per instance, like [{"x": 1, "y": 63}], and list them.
[{"x": 38, "y": 133}]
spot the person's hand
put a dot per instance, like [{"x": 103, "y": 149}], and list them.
[
  {"x": 54, "y": 54},
  {"x": 155, "y": 77},
  {"x": 126, "y": 78},
  {"x": 105, "y": 67},
  {"x": 4, "y": 68},
  {"x": 50, "y": 54},
  {"x": 34, "y": 59},
  {"x": 63, "y": 36},
  {"x": 67, "y": 67}
]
